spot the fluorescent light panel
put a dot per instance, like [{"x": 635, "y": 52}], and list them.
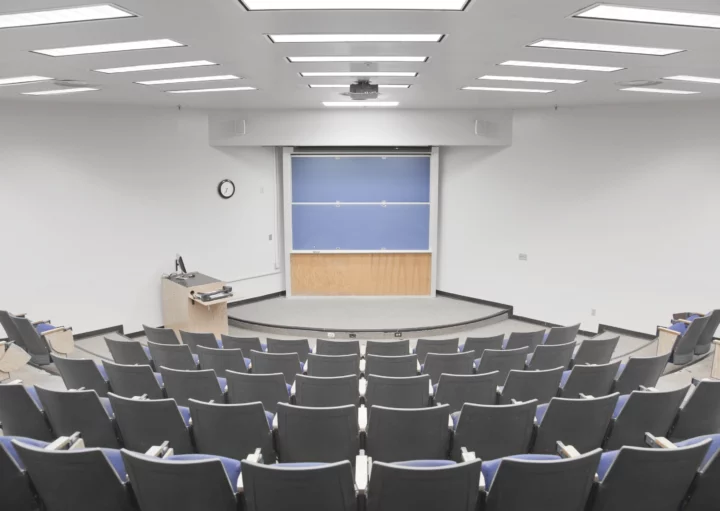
[
  {"x": 157, "y": 67},
  {"x": 68, "y": 15},
  {"x": 59, "y": 91},
  {"x": 658, "y": 91},
  {"x": 110, "y": 48},
  {"x": 610, "y": 48},
  {"x": 393, "y": 74},
  {"x": 653, "y": 16},
  {"x": 356, "y": 38},
  {"x": 506, "y": 89},
  {"x": 19, "y": 80},
  {"x": 361, "y": 104},
  {"x": 529, "y": 79},
  {"x": 295, "y": 60},
  {"x": 224, "y": 89},
  {"x": 347, "y": 85},
  {"x": 193, "y": 79},
  {"x": 335, "y": 5},
  {"x": 697, "y": 79},
  {"x": 552, "y": 65}
]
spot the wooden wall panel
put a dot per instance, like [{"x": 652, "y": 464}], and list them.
[{"x": 361, "y": 274}]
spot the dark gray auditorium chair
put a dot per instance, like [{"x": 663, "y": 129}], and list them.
[
  {"x": 530, "y": 340},
  {"x": 134, "y": 380},
  {"x": 272, "y": 363},
  {"x": 415, "y": 485},
  {"x": 591, "y": 380},
  {"x": 395, "y": 434},
  {"x": 705, "y": 492},
  {"x": 316, "y": 487},
  {"x": 634, "y": 479},
  {"x": 16, "y": 493},
  {"x": 11, "y": 330},
  {"x": 596, "y": 351},
  {"x": 700, "y": 413},
  {"x": 173, "y": 356},
  {"x": 388, "y": 348},
  {"x": 581, "y": 423},
  {"x": 329, "y": 366},
  {"x": 144, "y": 423},
  {"x": 561, "y": 335},
  {"x": 645, "y": 371},
  {"x": 32, "y": 341},
  {"x": 78, "y": 479},
  {"x": 551, "y": 356},
  {"x": 325, "y": 347},
  {"x": 542, "y": 484},
  {"x": 232, "y": 430},
  {"x": 326, "y": 392},
  {"x": 685, "y": 338},
  {"x": 395, "y": 366},
  {"x": 128, "y": 352},
  {"x": 201, "y": 385},
  {"x": 493, "y": 432},
  {"x": 80, "y": 411},
  {"x": 21, "y": 413},
  {"x": 325, "y": 435},
  {"x": 222, "y": 360},
  {"x": 299, "y": 346},
  {"x": 160, "y": 335},
  {"x": 410, "y": 392},
  {"x": 480, "y": 344},
  {"x": 448, "y": 363},
  {"x": 456, "y": 390},
  {"x": 268, "y": 389},
  {"x": 84, "y": 373},
  {"x": 527, "y": 385},
  {"x": 502, "y": 361},
  {"x": 425, "y": 346},
  {"x": 704, "y": 343},
  {"x": 641, "y": 412},
  {"x": 246, "y": 344},
  {"x": 195, "y": 339}
]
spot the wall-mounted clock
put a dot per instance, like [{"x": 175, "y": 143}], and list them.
[{"x": 226, "y": 189}]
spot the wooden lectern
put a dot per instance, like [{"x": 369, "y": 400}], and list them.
[{"x": 182, "y": 312}]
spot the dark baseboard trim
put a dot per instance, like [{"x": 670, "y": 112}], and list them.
[
  {"x": 102, "y": 331},
  {"x": 508, "y": 308},
  {"x": 270, "y": 296},
  {"x": 623, "y": 331}
]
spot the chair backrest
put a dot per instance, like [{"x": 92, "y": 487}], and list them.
[
  {"x": 596, "y": 351},
  {"x": 552, "y": 356},
  {"x": 326, "y": 347},
  {"x": 562, "y": 485},
  {"x": 32, "y": 341},
  {"x": 79, "y": 373},
  {"x": 425, "y": 346},
  {"x": 449, "y": 487},
  {"x": 326, "y": 392},
  {"x": 645, "y": 371},
  {"x": 527, "y": 385},
  {"x": 324, "y": 487},
  {"x": 195, "y": 339},
  {"x": 328, "y": 366},
  {"x": 272, "y": 363},
  {"x": 21, "y": 415},
  {"x": 502, "y": 361},
  {"x": 324, "y": 435},
  {"x": 161, "y": 335},
  {"x": 685, "y": 344},
  {"x": 81, "y": 480},
  {"x": 269, "y": 389},
  {"x": 299, "y": 346},
  {"x": 388, "y": 348},
  {"x": 562, "y": 334},
  {"x": 494, "y": 431},
  {"x": 10, "y": 329},
  {"x": 16, "y": 493},
  {"x": 127, "y": 352},
  {"x": 221, "y": 360},
  {"x": 246, "y": 344},
  {"x": 705, "y": 493},
  {"x": 444, "y": 363},
  {"x": 396, "y": 366},
  {"x": 656, "y": 479},
  {"x": 395, "y": 434},
  {"x": 184, "y": 385},
  {"x": 133, "y": 380},
  {"x": 700, "y": 414},
  {"x": 409, "y": 392},
  {"x": 644, "y": 411},
  {"x": 581, "y": 423},
  {"x": 530, "y": 340},
  {"x": 591, "y": 380},
  {"x": 456, "y": 390},
  {"x": 705, "y": 341},
  {"x": 233, "y": 430},
  {"x": 172, "y": 356},
  {"x": 187, "y": 485},
  {"x": 480, "y": 344}
]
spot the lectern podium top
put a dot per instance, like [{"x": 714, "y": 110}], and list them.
[{"x": 199, "y": 279}]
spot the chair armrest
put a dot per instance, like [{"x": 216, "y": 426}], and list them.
[
  {"x": 431, "y": 390},
  {"x": 684, "y": 321},
  {"x": 659, "y": 441},
  {"x": 362, "y": 418},
  {"x": 362, "y": 365},
  {"x": 55, "y": 330},
  {"x": 293, "y": 389},
  {"x": 362, "y": 472},
  {"x": 275, "y": 422},
  {"x": 305, "y": 367},
  {"x": 255, "y": 457},
  {"x": 419, "y": 368},
  {"x": 160, "y": 451},
  {"x": 470, "y": 456},
  {"x": 586, "y": 396},
  {"x": 41, "y": 322},
  {"x": 648, "y": 389},
  {"x": 668, "y": 331},
  {"x": 66, "y": 443},
  {"x": 362, "y": 387},
  {"x": 451, "y": 426},
  {"x": 567, "y": 451},
  {"x": 21, "y": 315},
  {"x": 363, "y": 351},
  {"x": 13, "y": 382},
  {"x": 140, "y": 398}
]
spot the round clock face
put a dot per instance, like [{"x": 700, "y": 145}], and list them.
[{"x": 226, "y": 189}]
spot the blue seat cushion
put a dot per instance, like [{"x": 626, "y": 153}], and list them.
[
  {"x": 461, "y": 348},
  {"x": 605, "y": 461},
  {"x": 247, "y": 363},
  {"x": 222, "y": 382},
  {"x": 232, "y": 467},
  {"x": 490, "y": 468},
  {"x": 435, "y": 387},
  {"x": 289, "y": 388},
  {"x": 269, "y": 416},
  {"x": 263, "y": 346},
  {"x": 115, "y": 459},
  {"x": 219, "y": 343},
  {"x": 43, "y": 327},
  {"x": 159, "y": 379},
  {"x": 620, "y": 370},
  {"x": 681, "y": 328},
  {"x": 34, "y": 396},
  {"x": 422, "y": 367},
  {"x": 505, "y": 342},
  {"x": 620, "y": 405},
  {"x": 455, "y": 416},
  {"x": 147, "y": 352},
  {"x": 545, "y": 337},
  {"x": 425, "y": 463},
  {"x": 101, "y": 369},
  {"x": 108, "y": 407},
  {"x": 564, "y": 379},
  {"x": 540, "y": 412},
  {"x": 196, "y": 359},
  {"x": 185, "y": 412},
  {"x": 6, "y": 443},
  {"x": 714, "y": 446}
]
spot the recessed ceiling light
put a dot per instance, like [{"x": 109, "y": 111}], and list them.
[
  {"x": 356, "y": 38},
  {"x": 188, "y": 80},
  {"x": 611, "y": 48},
  {"x": 653, "y": 16},
  {"x": 109, "y": 48},
  {"x": 356, "y": 59},
  {"x": 59, "y": 91},
  {"x": 346, "y": 85},
  {"x": 67, "y": 15},
  {"x": 361, "y": 104},
  {"x": 506, "y": 89},
  {"x": 529, "y": 79},
  {"x": 225, "y": 89},
  {"x": 396, "y": 74},
  {"x": 552, "y": 65},
  {"x": 156, "y": 67},
  {"x": 19, "y": 80},
  {"x": 329, "y": 5},
  {"x": 659, "y": 91},
  {"x": 698, "y": 79}
]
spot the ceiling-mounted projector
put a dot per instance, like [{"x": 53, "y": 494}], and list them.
[{"x": 362, "y": 90}]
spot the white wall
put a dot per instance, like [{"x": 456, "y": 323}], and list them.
[
  {"x": 96, "y": 201},
  {"x": 616, "y": 207}
]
